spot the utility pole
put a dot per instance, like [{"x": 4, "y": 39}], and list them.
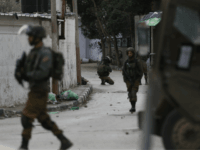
[
  {"x": 78, "y": 62},
  {"x": 54, "y": 29}
]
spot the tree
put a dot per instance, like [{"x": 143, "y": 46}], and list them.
[{"x": 105, "y": 19}]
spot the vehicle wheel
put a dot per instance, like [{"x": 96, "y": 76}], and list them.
[{"x": 179, "y": 133}]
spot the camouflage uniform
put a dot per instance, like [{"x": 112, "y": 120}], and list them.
[
  {"x": 38, "y": 95},
  {"x": 37, "y": 71},
  {"x": 132, "y": 72},
  {"x": 103, "y": 71},
  {"x": 143, "y": 60}
]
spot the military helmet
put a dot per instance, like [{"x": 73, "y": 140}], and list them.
[
  {"x": 130, "y": 49},
  {"x": 36, "y": 31},
  {"x": 107, "y": 59}
]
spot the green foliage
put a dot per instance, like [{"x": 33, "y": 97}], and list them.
[{"x": 116, "y": 16}]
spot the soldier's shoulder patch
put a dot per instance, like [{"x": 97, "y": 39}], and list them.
[{"x": 45, "y": 59}]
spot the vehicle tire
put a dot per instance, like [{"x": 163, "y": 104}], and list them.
[{"x": 179, "y": 133}]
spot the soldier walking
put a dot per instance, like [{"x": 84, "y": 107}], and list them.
[
  {"x": 143, "y": 61},
  {"x": 132, "y": 73},
  {"x": 36, "y": 70},
  {"x": 104, "y": 70}
]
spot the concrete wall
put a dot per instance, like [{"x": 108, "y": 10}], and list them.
[
  {"x": 95, "y": 53},
  {"x": 12, "y": 46},
  {"x": 68, "y": 48}
]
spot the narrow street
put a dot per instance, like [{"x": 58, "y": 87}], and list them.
[{"x": 104, "y": 123}]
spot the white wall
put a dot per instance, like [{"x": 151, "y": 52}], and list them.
[
  {"x": 11, "y": 48},
  {"x": 68, "y": 48},
  {"x": 94, "y": 50}
]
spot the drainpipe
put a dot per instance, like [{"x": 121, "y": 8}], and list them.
[
  {"x": 78, "y": 62},
  {"x": 54, "y": 29}
]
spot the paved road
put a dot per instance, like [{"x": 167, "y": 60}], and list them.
[{"x": 105, "y": 123}]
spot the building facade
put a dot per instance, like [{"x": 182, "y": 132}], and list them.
[{"x": 12, "y": 45}]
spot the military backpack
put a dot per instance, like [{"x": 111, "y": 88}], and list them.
[{"x": 58, "y": 64}]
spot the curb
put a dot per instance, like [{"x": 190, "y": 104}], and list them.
[{"x": 82, "y": 99}]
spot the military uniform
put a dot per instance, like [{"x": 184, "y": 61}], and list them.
[
  {"x": 132, "y": 72},
  {"x": 37, "y": 71},
  {"x": 103, "y": 71},
  {"x": 143, "y": 60}
]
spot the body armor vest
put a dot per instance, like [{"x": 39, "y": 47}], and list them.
[{"x": 131, "y": 68}]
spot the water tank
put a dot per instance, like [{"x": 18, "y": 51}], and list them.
[{"x": 30, "y": 6}]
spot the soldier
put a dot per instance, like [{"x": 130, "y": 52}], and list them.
[
  {"x": 104, "y": 70},
  {"x": 143, "y": 60},
  {"x": 37, "y": 70},
  {"x": 132, "y": 73}
]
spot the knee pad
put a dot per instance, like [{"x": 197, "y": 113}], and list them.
[{"x": 26, "y": 122}]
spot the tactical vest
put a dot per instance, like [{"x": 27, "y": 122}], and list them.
[
  {"x": 103, "y": 70},
  {"x": 31, "y": 61},
  {"x": 131, "y": 68}
]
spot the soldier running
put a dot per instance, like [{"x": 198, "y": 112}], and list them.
[
  {"x": 132, "y": 73},
  {"x": 37, "y": 70},
  {"x": 104, "y": 70}
]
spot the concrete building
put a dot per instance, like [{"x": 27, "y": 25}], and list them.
[
  {"x": 12, "y": 46},
  {"x": 89, "y": 48}
]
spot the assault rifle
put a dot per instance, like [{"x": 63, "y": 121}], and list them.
[{"x": 19, "y": 69}]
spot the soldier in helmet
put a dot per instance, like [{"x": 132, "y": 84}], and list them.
[
  {"x": 104, "y": 70},
  {"x": 143, "y": 60},
  {"x": 132, "y": 73},
  {"x": 36, "y": 71}
]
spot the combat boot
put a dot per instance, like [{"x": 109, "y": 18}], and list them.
[
  {"x": 65, "y": 143},
  {"x": 24, "y": 145},
  {"x": 133, "y": 106},
  {"x": 102, "y": 82}
]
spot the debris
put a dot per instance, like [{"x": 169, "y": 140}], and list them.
[
  {"x": 57, "y": 116},
  {"x": 52, "y": 98},
  {"x": 18, "y": 115},
  {"x": 118, "y": 102},
  {"x": 84, "y": 81},
  {"x": 75, "y": 108},
  {"x": 53, "y": 112},
  {"x": 85, "y": 106},
  {"x": 110, "y": 104},
  {"x": 11, "y": 106},
  {"x": 127, "y": 133},
  {"x": 68, "y": 95}
]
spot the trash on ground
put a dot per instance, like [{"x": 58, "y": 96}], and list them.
[
  {"x": 84, "y": 81},
  {"x": 75, "y": 108},
  {"x": 52, "y": 98},
  {"x": 53, "y": 112},
  {"x": 68, "y": 95}
]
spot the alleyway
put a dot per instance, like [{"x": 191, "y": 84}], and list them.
[{"x": 104, "y": 124}]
